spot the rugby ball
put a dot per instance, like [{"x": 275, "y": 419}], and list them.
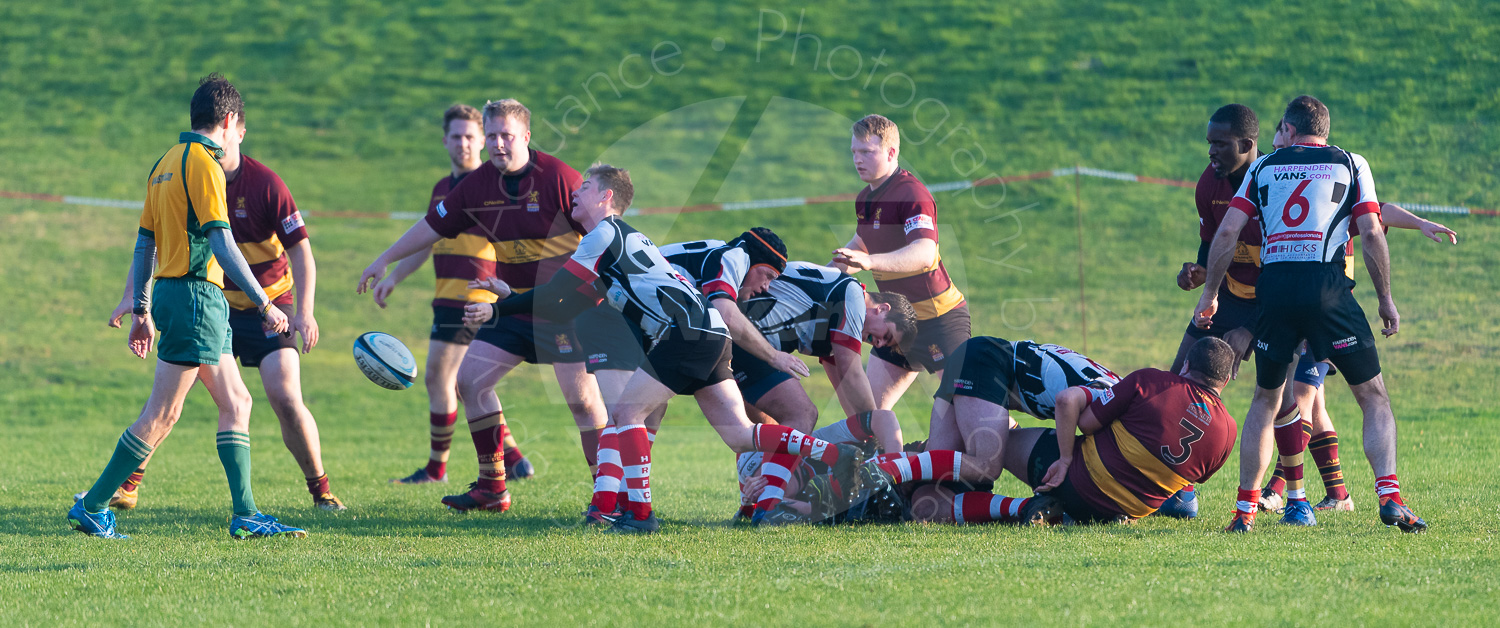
[{"x": 383, "y": 359}]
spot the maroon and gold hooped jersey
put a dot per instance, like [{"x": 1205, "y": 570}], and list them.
[
  {"x": 899, "y": 212},
  {"x": 265, "y": 223}
]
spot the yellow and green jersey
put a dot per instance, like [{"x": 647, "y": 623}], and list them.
[{"x": 184, "y": 199}]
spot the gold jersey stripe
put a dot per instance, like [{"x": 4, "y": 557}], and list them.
[
  {"x": 1107, "y": 484},
  {"x": 939, "y": 305},
  {"x": 268, "y": 250},
  {"x": 467, "y": 245},
  {"x": 1145, "y": 462},
  {"x": 458, "y": 290},
  {"x": 527, "y": 251},
  {"x": 885, "y": 276},
  {"x": 240, "y": 301}
]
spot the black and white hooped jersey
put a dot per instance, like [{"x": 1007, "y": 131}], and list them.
[
  {"x": 1306, "y": 196},
  {"x": 1043, "y": 371},
  {"x": 630, "y": 273},
  {"x": 810, "y": 308},
  {"x": 717, "y": 268}
]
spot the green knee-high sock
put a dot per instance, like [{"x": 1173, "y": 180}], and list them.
[
  {"x": 129, "y": 453},
  {"x": 234, "y": 452}
]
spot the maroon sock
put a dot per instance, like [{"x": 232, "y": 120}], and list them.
[
  {"x": 589, "y": 441},
  {"x": 441, "y": 430},
  {"x": 318, "y": 485},
  {"x": 486, "y": 431},
  {"x": 134, "y": 481},
  {"x": 1325, "y": 454},
  {"x": 512, "y": 454}
]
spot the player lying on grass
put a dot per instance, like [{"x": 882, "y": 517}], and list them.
[
  {"x": 185, "y": 226},
  {"x": 723, "y": 272},
  {"x": 520, "y": 200},
  {"x": 1303, "y": 424},
  {"x": 688, "y": 343},
  {"x": 1143, "y": 440},
  {"x": 271, "y": 236},
  {"x": 456, "y": 261}
]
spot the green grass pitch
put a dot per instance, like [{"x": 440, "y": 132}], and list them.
[{"x": 705, "y": 104}]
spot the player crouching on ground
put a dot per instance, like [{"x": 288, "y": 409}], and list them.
[
  {"x": 689, "y": 344},
  {"x": 1144, "y": 439}
]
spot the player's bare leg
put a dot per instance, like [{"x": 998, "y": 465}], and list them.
[
  {"x": 942, "y": 429},
  {"x": 888, "y": 382},
  {"x": 481, "y": 370},
  {"x": 233, "y": 399},
  {"x": 441, "y": 379},
  {"x": 170, "y": 386},
  {"x": 984, "y": 426},
  {"x": 281, "y": 374},
  {"x": 789, "y": 404},
  {"x": 581, "y": 392},
  {"x": 1256, "y": 448},
  {"x": 1380, "y": 450}
]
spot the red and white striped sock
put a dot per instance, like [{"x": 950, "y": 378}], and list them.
[
  {"x": 1387, "y": 487},
  {"x": 780, "y": 439},
  {"x": 635, "y": 459},
  {"x": 1246, "y": 502},
  {"x": 938, "y": 465},
  {"x": 777, "y": 470},
  {"x": 607, "y": 482},
  {"x": 981, "y": 507}
]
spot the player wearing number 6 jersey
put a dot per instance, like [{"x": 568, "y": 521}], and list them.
[{"x": 1306, "y": 196}]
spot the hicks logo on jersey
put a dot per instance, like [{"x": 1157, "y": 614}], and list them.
[
  {"x": 291, "y": 223},
  {"x": 919, "y": 221}
]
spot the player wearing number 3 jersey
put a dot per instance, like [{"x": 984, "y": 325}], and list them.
[{"x": 1307, "y": 195}]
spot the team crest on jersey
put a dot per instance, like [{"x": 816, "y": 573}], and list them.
[
  {"x": 239, "y": 208},
  {"x": 533, "y": 204},
  {"x": 937, "y": 354},
  {"x": 564, "y": 346},
  {"x": 877, "y": 217}
]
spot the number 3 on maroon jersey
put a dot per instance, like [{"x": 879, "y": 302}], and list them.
[{"x": 1193, "y": 432}]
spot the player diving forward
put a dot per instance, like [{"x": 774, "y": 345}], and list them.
[
  {"x": 185, "y": 225},
  {"x": 270, "y": 234},
  {"x": 688, "y": 342}
]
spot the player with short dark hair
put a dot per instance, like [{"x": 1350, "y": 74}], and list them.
[
  {"x": 185, "y": 227},
  {"x": 688, "y": 343},
  {"x": 1307, "y": 195},
  {"x": 272, "y": 237},
  {"x": 456, "y": 261},
  {"x": 897, "y": 241},
  {"x": 520, "y": 199},
  {"x": 1144, "y": 439}
]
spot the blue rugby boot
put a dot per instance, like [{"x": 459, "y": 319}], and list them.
[
  {"x": 259, "y": 525},
  {"x": 100, "y": 524},
  {"x": 1181, "y": 505},
  {"x": 1298, "y": 513}
]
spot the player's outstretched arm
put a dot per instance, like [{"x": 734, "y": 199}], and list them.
[
  {"x": 1393, "y": 215},
  {"x": 403, "y": 269},
  {"x": 420, "y": 236},
  {"x": 1378, "y": 261},
  {"x": 562, "y": 299},
  {"x": 916, "y": 256},
  {"x": 1071, "y": 405},
  {"x": 1220, "y": 253},
  {"x": 855, "y": 244},
  {"x": 305, "y": 284},
  {"x": 747, "y": 337},
  {"x": 235, "y": 268}
]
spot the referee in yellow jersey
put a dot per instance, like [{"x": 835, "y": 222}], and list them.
[{"x": 184, "y": 233}]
